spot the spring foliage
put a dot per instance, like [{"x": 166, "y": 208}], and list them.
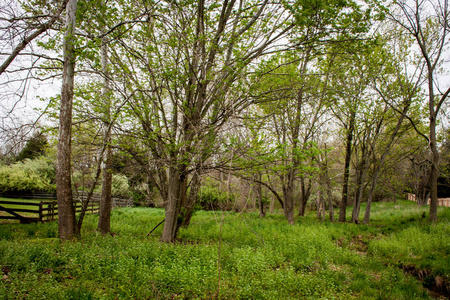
[{"x": 28, "y": 176}]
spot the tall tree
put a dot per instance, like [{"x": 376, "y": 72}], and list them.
[
  {"x": 185, "y": 82},
  {"x": 104, "y": 219},
  {"x": 427, "y": 23},
  {"x": 66, "y": 210}
]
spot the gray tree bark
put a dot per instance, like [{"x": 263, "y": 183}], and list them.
[
  {"x": 305, "y": 194},
  {"x": 66, "y": 210},
  {"x": 348, "y": 156},
  {"x": 104, "y": 219},
  {"x": 173, "y": 205}
]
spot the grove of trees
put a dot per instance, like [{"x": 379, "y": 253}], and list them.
[{"x": 229, "y": 104}]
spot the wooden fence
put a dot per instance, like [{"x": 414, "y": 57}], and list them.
[
  {"x": 41, "y": 211},
  {"x": 48, "y": 210},
  {"x": 441, "y": 201}
]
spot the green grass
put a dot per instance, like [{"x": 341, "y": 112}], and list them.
[{"x": 258, "y": 258}]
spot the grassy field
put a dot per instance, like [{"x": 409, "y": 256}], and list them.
[{"x": 232, "y": 256}]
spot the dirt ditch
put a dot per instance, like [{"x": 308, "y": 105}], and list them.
[{"x": 437, "y": 285}]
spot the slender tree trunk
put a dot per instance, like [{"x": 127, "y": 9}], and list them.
[
  {"x": 330, "y": 202},
  {"x": 358, "y": 198},
  {"x": 357, "y": 192},
  {"x": 328, "y": 187},
  {"x": 288, "y": 192},
  {"x": 364, "y": 168},
  {"x": 289, "y": 204},
  {"x": 306, "y": 193},
  {"x": 258, "y": 192},
  {"x": 66, "y": 210},
  {"x": 434, "y": 169},
  {"x": 272, "y": 204},
  {"x": 370, "y": 197},
  {"x": 104, "y": 219},
  {"x": 348, "y": 156},
  {"x": 320, "y": 204}
]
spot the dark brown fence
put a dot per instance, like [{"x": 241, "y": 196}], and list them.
[
  {"x": 29, "y": 211},
  {"x": 40, "y": 211}
]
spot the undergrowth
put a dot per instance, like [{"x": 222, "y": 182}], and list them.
[{"x": 260, "y": 258}]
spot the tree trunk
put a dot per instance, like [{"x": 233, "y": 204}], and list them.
[
  {"x": 189, "y": 204},
  {"x": 306, "y": 193},
  {"x": 348, "y": 156},
  {"x": 272, "y": 204},
  {"x": 361, "y": 183},
  {"x": 320, "y": 204},
  {"x": 371, "y": 192},
  {"x": 330, "y": 202},
  {"x": 288, "y": 193},
  {"x": 328, "y": 186},
  {"x": 434, "y": 169},
  {"x": 258, "y": 192},
  {"x": 289, "y": 204},
  {"x": 173, "y": 205},
  {"x": 66, "y": 210},
  {"x": 104, "y": 219}
]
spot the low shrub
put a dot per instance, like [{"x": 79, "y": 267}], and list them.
[{"x": 28, "y": 176}]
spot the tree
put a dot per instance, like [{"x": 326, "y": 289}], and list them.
[
  {"x": 351, "y": 73},
  {"x": 426, "y": 22},
  {"x": 66, "y": 210},
  {"x": 184, "y": 82},
  {"x": 293, "y": 95},
  {"x": 104, "y": 219},
  {"x": 35, "y": 147},
  {"x": 39, "y": 24},
  {"x": 295, "y": 118}
]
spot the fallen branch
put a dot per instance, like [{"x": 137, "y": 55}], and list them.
[{"x": 155, "y": 227}]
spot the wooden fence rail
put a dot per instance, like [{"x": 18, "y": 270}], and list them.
[
  {"x": 44, "y": 211},
  {"x": 48, "y": 210}
]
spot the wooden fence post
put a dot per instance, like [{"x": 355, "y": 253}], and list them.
[{"x": 41, "y": 206}]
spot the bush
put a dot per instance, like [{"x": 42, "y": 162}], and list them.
[
  {"x": 120, "y": 186},
  {"x": 37, "y": 175},
  {"x": 212, "y": 198}
]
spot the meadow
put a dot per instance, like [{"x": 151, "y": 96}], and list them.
[{"x": 230, "y": 255}]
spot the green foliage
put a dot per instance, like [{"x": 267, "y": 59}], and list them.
[
  {"x": 212, "y": 197},
  {"x": 120, "y": 187},
  {"x": 35, "y": 147},
  {"x": 28, "y": 176}
]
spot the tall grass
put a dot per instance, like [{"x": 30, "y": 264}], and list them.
[{"x": 260, "y": 258}]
